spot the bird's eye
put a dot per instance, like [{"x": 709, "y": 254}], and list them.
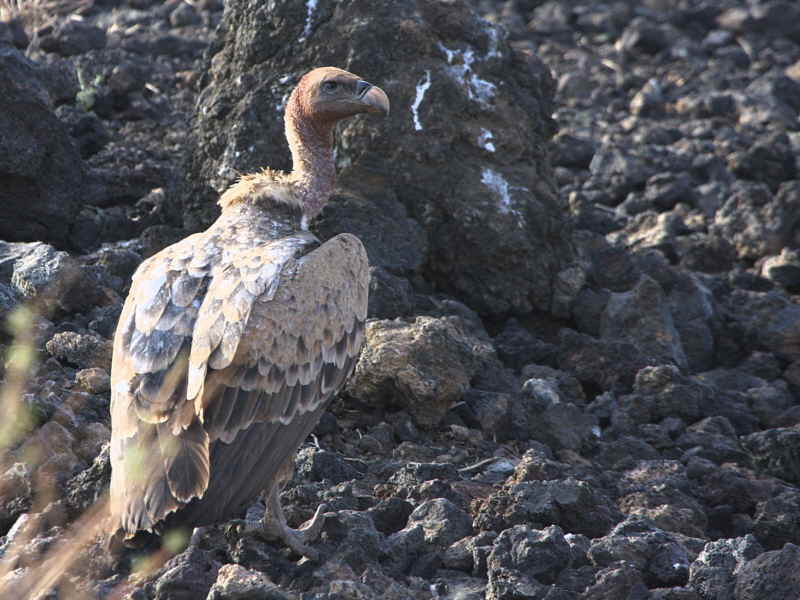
[{"x": 329, "y": 86}]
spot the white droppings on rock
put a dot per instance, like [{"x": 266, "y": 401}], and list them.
[
  {"x": 281, "y": 104},
  {"x": 422, "y": 87},
  {"x": 494, "y": 39},
  {"x": 596, "y": 431},
  {"x": 478, "y": 89},
  {"x": 311, "y": 6},
  {"x": 497, "y": 184},
  {"x": 485, "y": 140}
]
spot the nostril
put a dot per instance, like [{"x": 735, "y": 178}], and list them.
[{"x": 362, "y": 87}]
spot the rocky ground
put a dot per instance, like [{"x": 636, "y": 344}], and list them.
[{"x": 582, "y": 376}]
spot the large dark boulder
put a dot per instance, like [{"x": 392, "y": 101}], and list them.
[
  {"x": 462, "y": 157},
  {"x": 41, "y": 171}
]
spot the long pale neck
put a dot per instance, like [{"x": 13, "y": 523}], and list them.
[{"x": 313, "y": 169}]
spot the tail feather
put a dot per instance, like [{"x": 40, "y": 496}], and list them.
[
  {"x": 185, "y": 457},
  {"x": 156, "y": 473}
]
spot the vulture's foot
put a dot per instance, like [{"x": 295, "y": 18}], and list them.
[{"x": 274, "y": 527}]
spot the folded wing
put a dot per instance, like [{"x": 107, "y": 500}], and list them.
[{"x": 210, "y": 345}]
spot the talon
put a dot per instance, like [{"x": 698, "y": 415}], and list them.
[
  {"x": 297, "y": 539},
  {"x": 312, "y": 528},
  {"x": 236, "y": 528},
  {"x": 274, "y": 527}
]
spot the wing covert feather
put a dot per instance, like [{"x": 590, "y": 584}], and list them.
[
  {"x": 192, "y": 301},
  {"x": 300, "y": 344},
  {"x": 204, "y": 350}
]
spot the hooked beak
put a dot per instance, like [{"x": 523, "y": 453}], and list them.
[{"x": 374, "y": 98}]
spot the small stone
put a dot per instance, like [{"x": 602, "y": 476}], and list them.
[
  {"x": 119, "y": 261},
  {"x": 184, "y": 14},
  {"x": 649, "y": 101},
  {"x": 757, "y": 223},
  {"x": 547, "y": 414},
  {"x": 517, "y": 347},
  {"x": 660, "y": 556},
  {"x": 573, "y": 151},
  {"x": 356, "y": 540},
  {"x": 234, "y": 582},
  {"x": 16, "y": 490},
  {"x": 576, "y": 506},
  {"x": 74, "y": 37},
  {"x": 783, "y": 269},
  {"x": 442, "y": 522},
  {"x": 621, "y": 580},
  {"x": 389, "y": 296},
  {"x": 459, "y": 555},
  {"x": 81, "y": 350},
  {"x": 126, "y": 77},
  {"x": 773, "y": 574},
  {"x": 712, "y": 572},
  {"x": 92, "y": 439},
  {"x": 424, "y": 366},
  {"x": 85, "y": 128},
  {"x": 539, "y": 554},
  {"x": 391, "y": 514},
  {"x": 13, "y": 32},
  {"x": 774, "y": 452},
  {"x": 642, "y": 36},
  {"x": 189, "y": 574},
  {"x": 43, "y": 273},
  {"x": 770, "y": 160},
  {"x": 94, "y": 380},
  {"x": 609, "y": 364},
  {"x": 313, "y": 464}
]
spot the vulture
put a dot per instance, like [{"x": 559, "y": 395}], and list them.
[{"x": 232, "y": 341}]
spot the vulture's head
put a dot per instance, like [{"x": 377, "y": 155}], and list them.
[{"x": 328, "y": 94}]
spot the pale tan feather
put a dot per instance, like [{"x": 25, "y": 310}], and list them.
[{"x": 215, "y": 336}]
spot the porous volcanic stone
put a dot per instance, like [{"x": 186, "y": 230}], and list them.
[
  {"x": 544, "y": 412},
  {"x": 712, "y": 572},
  {"x": 776, "y": 452},
  {"x": 661, "y": 558},
  {"x": 41, "y": 273},
  {"x": 442, "y": 522},
  {"x": 187, "y": 576},
  {"x": 15, "y": 494},
  {"x": 424, "y": 366},
  {"x": 576, "y": 506},
  {"x": 777, "y": 519},
  {"x": 620, "y": 580},
  {"x": 773, "y": 574},
  {"x": 41, "y": 171},
  {"x": 234, "y": 582},
  {"x": 538, "y": 553},
  {"x": 74, "y": 37},
  {"x": 450, "y": 150},
  {"x": 757, "y": 223},
  {"x": 82, "y": 350},
  {"x": 643, "y": 317}
]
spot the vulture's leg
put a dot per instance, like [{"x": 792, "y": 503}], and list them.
[
  {"x": 275, "y": 526},
  {"x": 197, "y": 535}
]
